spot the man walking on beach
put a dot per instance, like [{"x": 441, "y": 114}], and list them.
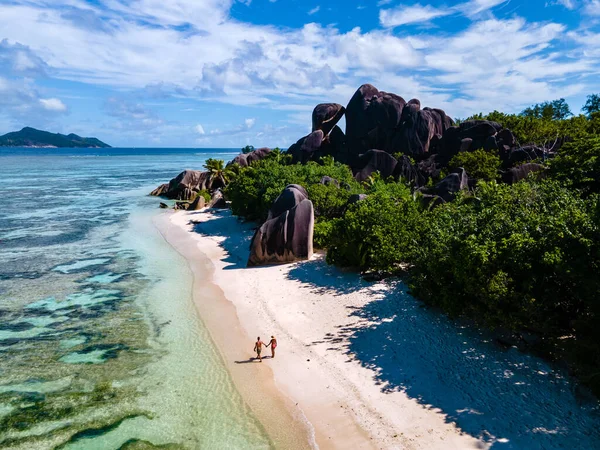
[{"x": 258, "y": 347}]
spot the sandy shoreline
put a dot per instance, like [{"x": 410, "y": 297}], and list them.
[
  {"x": 340, "y": 399},
  {"x": 363, "y": 365}
]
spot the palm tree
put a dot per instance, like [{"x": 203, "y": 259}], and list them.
[{"x": 217, "y": 172}]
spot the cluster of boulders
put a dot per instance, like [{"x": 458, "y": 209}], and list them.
[
  {"x": 186, "y": 186},
  {"x": 287, "y": 234},
  {"x": 386, "y": 134}
]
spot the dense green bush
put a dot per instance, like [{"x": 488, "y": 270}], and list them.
[
  {"x": 578, "y": 164},
  {"x": 541, "y": 131},
  {"x": 478, "y": 164},
  {"x": 255, "y": 188},
  {"x": 379, "y": 232},
  {"x": 526, "y": 256},
  {"x": 204, "y": 193}
]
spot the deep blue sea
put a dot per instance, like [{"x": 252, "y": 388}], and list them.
[{"x": 100, "y": 344}]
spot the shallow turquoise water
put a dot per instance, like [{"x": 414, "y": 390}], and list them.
[{"x": 100, "y": 344}]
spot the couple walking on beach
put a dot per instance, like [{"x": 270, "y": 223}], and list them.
[{"x": 259, "y": 345}]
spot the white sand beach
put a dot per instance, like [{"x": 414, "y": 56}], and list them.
[{"x": 364, "y": 365}]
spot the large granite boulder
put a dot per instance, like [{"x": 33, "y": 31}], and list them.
[
  {"x": 452, "y": 184},
  {"x": 516, "y": 174},
  {"x": 429, "y": 168},
  {"x": 290, "y": 197},
  {"x": 306, "y": 148},
  {"x": 246, "y": 159},
  {"x": 287, "y": 235},
  {"x": 360, "y": 122},
  {"x": 334, "y": 144},
  {"x": 407, "y": 172},
  {"x": 448, "y": 187},
  {"x": 217, "y": 200},
  {"x": 161, "y": 190},
  {"x": 469, "y": 136},
  {"x": 198, "y": 204},
  {"x": 386, "y": 110},
  {"x": 417, "y": 129},
  {"x": 326, "y": 116},
  {"x": 376, "y": 161},
  {"x": 185, "y": 185}
]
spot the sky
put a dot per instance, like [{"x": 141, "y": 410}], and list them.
[{"x": 230, "y": 73}]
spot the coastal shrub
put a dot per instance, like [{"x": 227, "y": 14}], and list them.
[
  {"x": 377, "y": 233},
  {"x": 323, "y": 232},
  {"x": 578, "y": 164},
  {"x": 541, "y": 131},
  {"x": 204, "y": 193},
  {"x": 479, "y": 164},
  {"x": 255, "y": 188},
  {"x": 524, "y": 256}
]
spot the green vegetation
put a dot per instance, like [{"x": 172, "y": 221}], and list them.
[
  {"x": 219, "y": 174},
  {"x": 479, "y": 164},
  {"x": 578, "y": 164},
  {"x": 378, "y": 233},
  {"x": 30, "y": 137},
  {"x": 204, "y": 193},
  {"x": 592, "y": 105},
  {"x": 554, "y": 110},
  {"x": 529, "y": 130},
  {"x": 256, "y": 187},
  {"x": 248, "y": 149},
  {"x": 523, "y": 257}
]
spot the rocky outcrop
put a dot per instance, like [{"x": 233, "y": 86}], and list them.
[
  {"x": 184, "y": 186},
  {"x": 161, "y": 190},
  {"x": 448, "y": 187},
  {"x": 304, "y": 150},
  {"x": 326, "y": 116},
  {"x": 407, "y": 172},
  {"x": 198, "y": 204},
  {"x": 217, "y": 200},
  {"x": 287, "y": 235},
  {"x": 521, "y": 172},
  {"x": 470, "y": 135},
  {"x": 376, "y": 161},
  {"x": 246, "y": 159},
  {"x": 328, "y": 181},
  {"x": 372, "y": 117}
]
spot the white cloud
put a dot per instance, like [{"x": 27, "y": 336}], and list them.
[
  {"x": 315, "y": 10},
  {"x": 199, "y": 129},
  {"x": 569, "y": 4},
  {"x": 474, "y": 7},
  {"x": 592, "y": 7},
  {"x": 403, "y": 15},
  {"x": 53, "y": 104},
  {"x": 192, "y": 49},
  {"x": 417, "y": 13}
]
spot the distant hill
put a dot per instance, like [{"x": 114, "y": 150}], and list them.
[{"x": 30, "y": 137}]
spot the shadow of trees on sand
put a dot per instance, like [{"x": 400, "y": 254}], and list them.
[{"x": 508, "y": 399}]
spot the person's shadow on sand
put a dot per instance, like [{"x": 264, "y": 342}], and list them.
[{"x": 251, "y": 360}]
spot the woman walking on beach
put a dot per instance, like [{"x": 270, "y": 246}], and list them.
[
  {"x": 258, "y": 348},
  {"x": 273, "y": 344}
]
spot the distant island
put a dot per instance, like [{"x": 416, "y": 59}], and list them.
[{"x": 30, "y": 137}]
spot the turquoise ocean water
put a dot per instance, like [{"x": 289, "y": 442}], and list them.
[{"x": 100, "y": 344}]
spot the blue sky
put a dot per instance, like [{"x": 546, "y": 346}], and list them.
[{"x": 226, "y": 73}]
